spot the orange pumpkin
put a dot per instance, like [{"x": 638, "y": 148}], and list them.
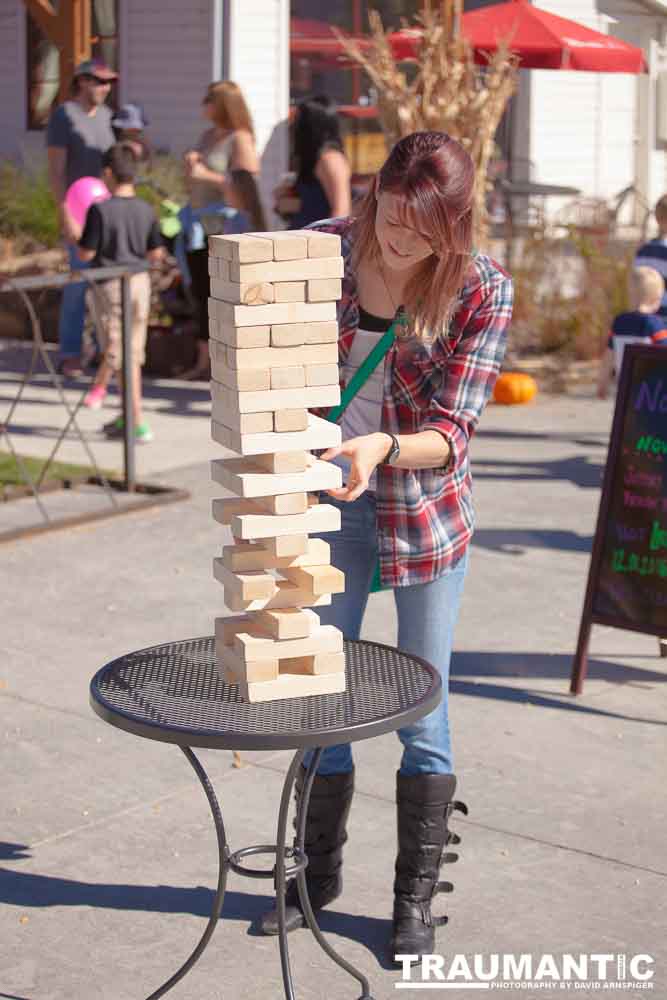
[{"x": 514, "y": 387}]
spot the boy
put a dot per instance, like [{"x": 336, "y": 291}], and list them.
[
  {"x": 122, "y": 230},
  {"x": 642, "y": 326},
  {"x": 654, "y": 253}
]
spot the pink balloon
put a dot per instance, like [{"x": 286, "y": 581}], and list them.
[{"x": 82, "y": 194}]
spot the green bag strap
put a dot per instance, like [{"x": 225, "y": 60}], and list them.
[{"x": 364, "y": 371}]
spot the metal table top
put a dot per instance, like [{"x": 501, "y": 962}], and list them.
[{"x": 173, "y": 693}]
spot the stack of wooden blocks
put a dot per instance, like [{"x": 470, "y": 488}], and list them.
[{"x": 274, "y": 354}]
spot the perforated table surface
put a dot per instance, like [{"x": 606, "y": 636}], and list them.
[{"x": 173, "y": 693}]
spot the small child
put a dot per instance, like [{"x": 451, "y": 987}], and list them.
[
  {"x": 129, "y": 124},
  {"x": 121, "y": 230},
  {"x": 654, "y": 253},
  {"x": 642, "y": 326}
]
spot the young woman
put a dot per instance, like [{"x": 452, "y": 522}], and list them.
[
  {"x": 323, "y": 177},
  {"x": 228, "y": 145},
  {"x": 407, "y": 499}
]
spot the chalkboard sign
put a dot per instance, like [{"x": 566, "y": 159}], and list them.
[{"x": 627, "y": 580}]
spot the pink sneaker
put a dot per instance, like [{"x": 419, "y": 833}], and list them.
[{"x": 94, "y": 399}]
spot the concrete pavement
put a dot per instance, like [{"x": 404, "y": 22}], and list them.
[{"x": 108, "y": 855}]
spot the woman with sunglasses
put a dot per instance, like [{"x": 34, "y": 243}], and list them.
[
  {"x": 406, "y": 504},
  {"x": 228, "y": 144}
]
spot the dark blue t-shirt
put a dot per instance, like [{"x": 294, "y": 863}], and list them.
[{"x": 633, "y": 328}]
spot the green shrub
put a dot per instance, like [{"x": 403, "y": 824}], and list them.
[{"x": 28, "y": 212}]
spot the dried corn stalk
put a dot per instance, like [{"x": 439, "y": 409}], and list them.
[{"x": 449, "y": 92}]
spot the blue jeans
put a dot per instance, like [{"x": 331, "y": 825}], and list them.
[
  {"x": 427, "y": 614},
  {"x": 72, "y": 310}
]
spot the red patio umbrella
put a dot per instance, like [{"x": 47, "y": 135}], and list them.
[
  {"x": 540, "y": 39},
  {"x": 309, "y": 37}
]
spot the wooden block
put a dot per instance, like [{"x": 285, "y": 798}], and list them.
[
  {"x": 248, "y": 480},
  {"x": 218, "y": 268},
  {"x": 241, "y": 249},
  {"x": 250, "y": 586},
  {"x": 227, "y": 507},
  {"x": 240, "y": 337},
  {"x": 293, "y": 686},
  {"x": 320, "y": 663},
  {"x": 287, "y": 595},
  {"x": 293, "y": 377},
  {"x": 238, "y": 672},
  {"x": 243, "y": 380},
  {"x": 290, "y": 420},
  {"x": 279, "y": 312},
  {"x": 287, "y": 245},
  {"x": 320, "y": 244},
  {"x": 325, "y": 639},
  {"x": 317, "y": 579},
  {"x": 286, "y": 461},
  {"x": 286, "y": 503},
  {"x": 286, "y": 545},
  {"x": 290, "y": 291},
  {"x": 322, "y": 374},
  {"x": 296, "y": 334},
  {"x": 282, "y": 357},
  {"x": 318, "y": 518},
  {"x": 290, "y": 623},
  {"x": 226, "y": 628},
  {"x": 320, "y": 433},
  {"x": 243, "y": 423},
  {"x": 256, "y": 555},
  {"x": 321, "y": 333},
  {"x": 236, "y": 402},
  {"x": 324, "y": 289},
  {"x": 288, "y": 270},
  {"x": 257, "y": 293}
]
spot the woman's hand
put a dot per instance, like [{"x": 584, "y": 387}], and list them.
[{"x": 366, "y": 453}]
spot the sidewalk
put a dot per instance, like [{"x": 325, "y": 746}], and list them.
[{"x": 108, "y": 864}]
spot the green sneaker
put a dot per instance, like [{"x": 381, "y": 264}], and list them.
[
  {"x": 115, "y": 428},
  {"x": 143, "y": 433}
]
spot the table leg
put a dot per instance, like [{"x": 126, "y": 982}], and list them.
[
  {"x": 223, "y": 865},
  {"x": 302, "y": 812}
]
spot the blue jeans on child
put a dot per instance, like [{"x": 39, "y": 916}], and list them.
[
  {"x": 427, "y": 615},
  {"x": 72, "y": 310}
]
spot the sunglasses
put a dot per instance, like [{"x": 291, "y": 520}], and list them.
[{"x": 99, "y": 82}]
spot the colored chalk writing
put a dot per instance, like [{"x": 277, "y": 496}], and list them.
[{"x": 628, "y": 575}]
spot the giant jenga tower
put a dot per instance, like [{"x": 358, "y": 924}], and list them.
[{"x": 274, "y": 354}]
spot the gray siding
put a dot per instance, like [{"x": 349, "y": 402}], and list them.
[
  {"x": 12, "y": 77},
  {"x": 166, "y": 52}
]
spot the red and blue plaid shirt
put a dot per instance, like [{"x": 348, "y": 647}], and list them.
[{"x": 425, "y": 516}]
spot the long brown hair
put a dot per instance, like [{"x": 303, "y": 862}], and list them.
[
  {"x": 249, "y": 201},
  {"x": 230, "y": 111},
  {"x": 434, "y": 176}
]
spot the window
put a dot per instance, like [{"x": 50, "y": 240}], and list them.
[
  {"x": 317, "y": 67},
  {"x": 43, "y": 63}
]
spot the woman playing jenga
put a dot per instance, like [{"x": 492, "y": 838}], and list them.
[{"x": 406, "y": 502}]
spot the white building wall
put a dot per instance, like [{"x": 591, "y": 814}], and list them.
[
  {"x": 582, "y": 125},
  {"x": 166, "y": 63},
  {"x": 13, "y": 104},
  {"x": 258, "y": 60}
]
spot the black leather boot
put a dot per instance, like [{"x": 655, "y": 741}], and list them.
[
  {"x": 328, "y": 809},
  {"x": 424, "y": 804}
]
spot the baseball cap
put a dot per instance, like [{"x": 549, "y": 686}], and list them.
[
  {"x": 130, "y": 116},
  {"x": 95, "y": 67}
]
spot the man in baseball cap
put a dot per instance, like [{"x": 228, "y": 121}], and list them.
[
  {"x": 95, "y": 68},
  {"x": 78, "y": 135}
]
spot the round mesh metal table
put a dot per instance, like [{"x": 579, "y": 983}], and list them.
[{"x": 173, "y": 693}]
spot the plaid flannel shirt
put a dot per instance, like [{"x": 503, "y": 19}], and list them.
[{"x": 425, "y": 516}]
